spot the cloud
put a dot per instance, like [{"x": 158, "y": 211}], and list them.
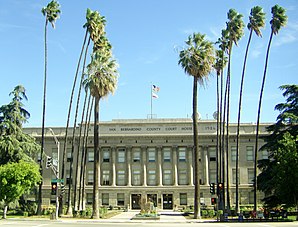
[{"x": 289, "y": 35}]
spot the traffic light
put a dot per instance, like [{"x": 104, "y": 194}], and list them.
[
  {"x": 212, "y": 188},
  {"x": 54, "y": 188},
  {"x": 213, "y": 201},
  {"x": 220, "y": 188},
  {"x": 49, "y": 162}
]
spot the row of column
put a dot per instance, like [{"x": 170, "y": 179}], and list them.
[{"x": 159, "y": 161}]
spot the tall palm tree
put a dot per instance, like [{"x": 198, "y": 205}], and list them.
[
  {"x": 223, "y": 45},
  {"x": 51, "y": 13},
  {"x": 102, "y": 77},
  {"x": 279, "y": 20},
  {"x": 256, "y": 22},
  {"x": 235, "y": 26},
  {"x": 197, "y": 60},
  {"x": 220, "y": 63}
]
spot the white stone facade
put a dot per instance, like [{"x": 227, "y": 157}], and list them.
[{"x": 153, "y": 158}]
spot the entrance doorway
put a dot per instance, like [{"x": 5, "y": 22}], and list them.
[
  {"x": 136, "y": 201},
  {"x": 167, "y": 202},
  {"x": 152, "y": 198}
]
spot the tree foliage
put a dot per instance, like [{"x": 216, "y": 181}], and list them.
[
  {"x": 14, "y": 144},
  {"x": 17, "y": 179},
  {"x": 279, "y": 178}
]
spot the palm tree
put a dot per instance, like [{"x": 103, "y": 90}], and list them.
[
  {"x": 223, "y": 45},
  {"x": 101, "y": 80},
  {"x": 197, "y": 61},
  {"x": 235, "y": 27},
  {"x": 51, "y": 13},
  {"x": 256, "y": 22},
  {"x": 279, "y": 20},
  {"x": 220, "y": 63}
]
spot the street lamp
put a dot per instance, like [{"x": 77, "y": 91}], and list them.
[{"x": 57, "y": 171}]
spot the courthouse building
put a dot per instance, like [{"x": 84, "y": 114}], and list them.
[{"x": 153, "y": 158}]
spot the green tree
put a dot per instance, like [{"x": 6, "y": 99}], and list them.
[
  {"x": 235, "y": 27},
  {"x": 51, "y": 13},
  {"x": 256, "y": 22},
  {"x": 278, "y": 178},
  {"x": 197, "y": 60},
  {"x": 14, "y": 144},
  {"x": 101, "y": 80},
  {"x": 279, "y": 20},
  {"x": 17, "y": 179}
]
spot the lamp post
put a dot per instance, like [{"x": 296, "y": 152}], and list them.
[{"x": 57, "y": 171}]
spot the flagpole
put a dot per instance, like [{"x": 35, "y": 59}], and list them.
[{"x": 151, "y": 99}]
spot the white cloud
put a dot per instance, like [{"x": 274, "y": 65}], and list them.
[{"x": 288, "y": 35}]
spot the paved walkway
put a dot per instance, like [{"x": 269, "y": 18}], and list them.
[{"x": 165, "y": 216}]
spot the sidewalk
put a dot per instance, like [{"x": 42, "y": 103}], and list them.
[{"x": 165, "y": 216}]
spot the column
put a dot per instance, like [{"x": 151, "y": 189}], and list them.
[
  {"x": 175, "y": 169},
  {"x": 190, "y": 165},
  {"x": 128, "y": 161},
  {"x": 159, "y": 168},
  {"x": 205, "y": 164},
  {"x": 113, "y": 155},
  {"x": 144, "y": 161}
]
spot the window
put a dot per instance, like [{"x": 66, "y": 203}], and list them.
[
  {"x": 151, "y": 178},
  {"x": 121, "y": 155},
  {"x": 212, "y": 176},
  {"x": 250, "y": 174},
  {"x": 182, "y": 177},
  {"x": 68, "y": 180},
  {"x": 105, "y": 177},
  {"x": 90, "y": 152},
  {"x": 106, "y": 155},
  {"x": 233, "y": 153},
  {"x": 183, "y": 198},
  {"x": 136, "y": 177},
  {"x": 121, "y": 177},
  {"x": 249, "y": 153},
  {"x": 166, "y": 155},
  {"x": 120, "y": 199},
  {"x": 104, "y": 198},
  {"x": 68, "y": 154},
  {"x": 55, "y": 156},
  {"x": 136, "y": 155},
  {"x": 234, "y": 176},
  {"x": 90, "y": 177},
  {"x": 151, "y": 155},
  {"x": 182, "y": 154},
  {"x": 167, "y": 177},
  {"x": 212, "y": 154},
  {"x": 89, "y": 198},
  {"x": 265, "y": 154}
]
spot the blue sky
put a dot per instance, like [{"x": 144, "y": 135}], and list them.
[{"x": 146, "y": 38}]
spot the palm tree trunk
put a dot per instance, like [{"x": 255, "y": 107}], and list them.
[
  {"x": 69, "y": 208},
  {"x": 43, "y": 115},
  {"x": 84, "y": 153},
  {"x": 228, "y": 130},
  {"x": 95, "y": 214},
  {"x": 238, "y": 123},
  {"x": 221, "y": 203},
  {"x": 68, "y": 118},
  {"x": 76, "y": 207},
  {"x": 258, "y": 123},
  {"x": 197, "y": 211}
]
